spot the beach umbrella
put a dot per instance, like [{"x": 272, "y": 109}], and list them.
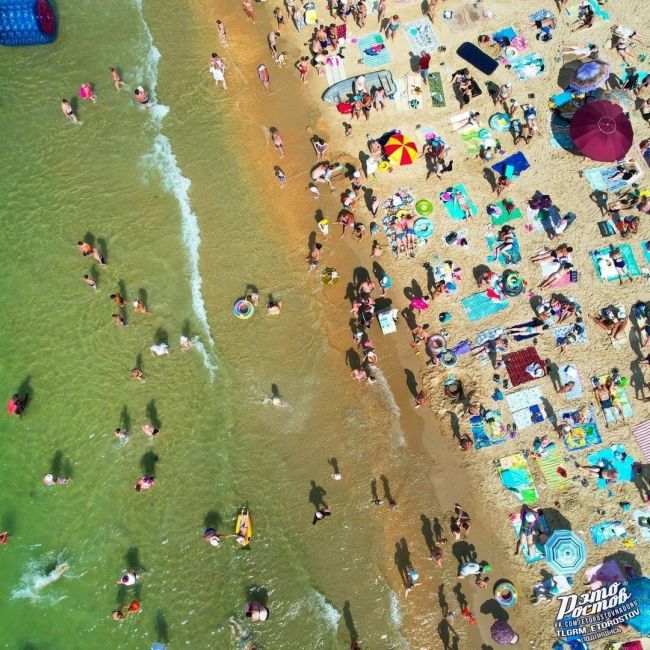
[
  {"x": 589, "y": 76},
  {"x": 601, "y": 131},
  {"x": 640, "y": 590},
  {"x": 400, "y": 149},
  {"x": 565, "y": 552},
  {"x": 503, "y": 634}
]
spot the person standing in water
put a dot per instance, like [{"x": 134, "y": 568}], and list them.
[
  {"x": 263, "y": 74},
  {"x": 221, "y": 33},
  {"x": 277, "y": 141},
  {"x": 90, "y": 282},
  {"x": 117, "y": 80},
  {"x": 66, "y": 107},
  {"x": 247, "y": 6}
]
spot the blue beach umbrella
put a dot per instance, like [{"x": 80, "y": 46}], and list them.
[
  {"x": 565, "y": 552},
  {"x": 589, "y": 76},
  {"x": 640, "y": 590}
]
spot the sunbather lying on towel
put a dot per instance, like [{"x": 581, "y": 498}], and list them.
[
  {"x": 606, "y": 399},
  {"x": 608, "y": 475},
  {"x": 562, "y": 252}
]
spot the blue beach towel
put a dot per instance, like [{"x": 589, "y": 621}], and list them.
[
  {"x": 528, "y": 66},
  {"x": 541, "y": 526},
  {"x": 599, "y": 178},
  {"x": 512, "y": 256},
  {"x": 560, "y": 134},
  {"x": 614, "y": 457},
  {"x": 373, "y": 58},
  {"x": 607, "y": 530},
  {"x": 607, "y": 272},
  {"x": 576, "y": 391},
  {"x": 517, "y": 160},
  {"x": 487, "y": 434},
  {"x": 505, "y": 33},
  {"x": 540, "y": 14},
  {"x": 478, "y": 306},
  {"x": 645, "y": 251},
  {"x": 454, "y": 210},
  {"x": 598, "y": 10}
]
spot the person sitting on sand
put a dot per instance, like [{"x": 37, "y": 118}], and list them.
[{"x": 461, "y": 523}]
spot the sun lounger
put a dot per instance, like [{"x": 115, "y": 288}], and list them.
[
  {"x": 542, "y": 526},
  {"x": 477, "y": 57},
  {"x": 604, "y": 574},
  {"x": 516, "y": 478},
  {"x": 604, "y": 265},
  {"x": 576, "y": 391},
  {"x": 644, "y": 250},
  {"x": 642, "y": 520},
  {"x": 488, "y": 431},
  {"x": 436, "y": 90},
  {"x": 619, "y": 396},
  {"x": 517, "y": 362},
  {"x": 549, "y": 466},
  {"x": 641, "y": 433},
  {"x": 478, "y": 306},
  {"x": 421, "y": 36},
  {"x": 334, "y": 70},
  {"x": 511, "y": 256},
  {"x": 454, "y": 210},
  {"x": 614, "y": 457},
  {"x": 526, "y": 407},
  {"x": 505, "y": 216},
  {"x": 606, "y": 531},
  {"x": 372, "y": 52},
  {"x": 512, "y": 166}
]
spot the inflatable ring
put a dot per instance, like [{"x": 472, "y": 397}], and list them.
[
  {"x": 505, "y": 593},
  {"x": 499, "y": 122},
  {"x": 329, "y": 276},
  {"x": 436, "y": 343},
  {"x": 423, "y": 228},
  {"x": 448, "y": 359},
  {"x": 424, "y": 207},
  {"x": 243, "y": 309}
]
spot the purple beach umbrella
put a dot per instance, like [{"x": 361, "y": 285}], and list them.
[
  {"x": 503, "y": 634},
  {"x": 589, "y": 76}
]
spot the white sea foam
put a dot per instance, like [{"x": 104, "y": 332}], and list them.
[
  {"x": 35, "y": 578},
  {"x": 163, "y": 160},
  {"x": 389, "y": 400},
  {"x": 329, "y": 612},
  {"x": 395, "y": 614}
]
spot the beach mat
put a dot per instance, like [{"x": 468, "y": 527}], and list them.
[
  {"x": 372, "y": 60},
  {"x": 604, "y": 574},
  {"x": 619, "y": 396},
  {"x": 421, "y": 36},
  {"x": 598, "y": 10},
  {"x": 559, "y": 133},
  {"x": 516, "y": 478},
  {"x": 478, "y": 306},
  {"x": 471, "y": 141},
  {"x": 505, "y": 217},
  {"x": 436, "y": 90},
  {"x": 517, "y": 362},
  {"x": 506, "y": 33},
  {"x": 614, "y": 457},
  {"x": 563, "y": 330},
  {"x": 477, "y": 57},
  {"x": 606, "y": 531},
  {"x": 517, "y": 161},
  {"x": 540, "y": 14},
  {"x": 541, "y": 526},
  {"x": 576, "y": 391},
  {"x": 488, "y": 433},
  {"x": 599, "y": 178},
  {"x": 607, "y": 271},
  {"x": 645, "y": 251},
  {"x": 641, "y": 433},
  {"x": 528, "y": 66},
  {"x": 549, "y": 466},
  {"x": 512, "y": 256},
  {"x": 582, "y": 436},
  {"x": 454, "y": 210},
  {"x": 526, "y": 407}
]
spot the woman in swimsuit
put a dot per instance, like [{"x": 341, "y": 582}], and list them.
[
  {"x": 66, "y": 107},
  {"x": 393, "y": 26}
]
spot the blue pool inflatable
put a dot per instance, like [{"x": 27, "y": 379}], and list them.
[{"x": 26, "y": 22}]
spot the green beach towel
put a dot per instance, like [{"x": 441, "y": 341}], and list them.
[
  {"x": 436, "y": 90},
  {"x": 549, "y": 465},
  {"x": 504, "y": 217},
  {"x": 516, "y": 478},
  {"x": 471, "y": 141}
]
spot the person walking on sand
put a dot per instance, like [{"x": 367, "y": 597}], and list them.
[
  {"x": 247, "y": 6},
  {"x": 303, "y": 68},
  {"x": 263, "y": 74},
  {"x": 117, "y": 80},
  {"x": 423, "y": 65},
  {"x": 66, "y": 107},
  {"x": 221, "y": 33},
  {"x": 272, "y": 39}
]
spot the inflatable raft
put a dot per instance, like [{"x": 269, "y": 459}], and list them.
[
  {"x": 244, "y": 526},
  {"x": 26, "y": 22}
]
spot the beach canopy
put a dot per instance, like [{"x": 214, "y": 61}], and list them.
[
  {"x": 400, "y": 149},
  {"x": 639, "y": 588},
  {"x": 601, "y": 131},
  {"x": 565, "y": 552},
  {"x": 589, "y": 76},
  {"x": 503, "y": 634}
]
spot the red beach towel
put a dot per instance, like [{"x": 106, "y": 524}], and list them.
[{"x": 517, "y": 362}]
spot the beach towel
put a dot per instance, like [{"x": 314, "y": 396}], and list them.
[
  {"x": 641, "y": 433},
  {"x": 421, "y": 36},
  {"x": 582, "y": 436},
  {"x": 526, "y": 407},
  {"x": 454, "y": 210},
  {"x": 550, "y": 266},
  {"x": 598, "y": 10},
  {"x": 619, "y": 396},
  {"x": 614, "y": 457},
  {"x": 517, "y": 162},
  {"x": 528, "y": 66},
  {"x": 505, "y": 216},
  {"x": 540, "y": 14},
  {"x": 604, "y": 574},
  {"x": 604, "y": 265},
  {"x": 507, "y": 33},
  {"x": 488, "y": 430},
  {"x": 541, "y": 526},
  {"x": 436, "y": 90},
  {"x": 644, "y": 250},
  {"x": 488, "y": 335},
  {"x": 563, "y": 330},
  {"x": 576, "y": 391},
  {"x": 511, "y": 256},
  {"x": 549, "y": 466},
  {"x": 516, "y": 478},
  {"x": 640, "y": 516},
  {"x": 477, "y": 57},
  {"x": 373, "y": 50},
  {"x": 606, "y": 531},
  {"x": 471, "y": 140},
  {"x": 459, "y": 122},
  {"x": 478, "y": 306},
  {"x": 517, "y": 363},
  {"x": 334, "y": 70},
  {"x": 400, "y": 98},
  {"x": 599, "y": 178}
]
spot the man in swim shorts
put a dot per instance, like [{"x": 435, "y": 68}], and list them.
[{"x": 66, "y": 107}]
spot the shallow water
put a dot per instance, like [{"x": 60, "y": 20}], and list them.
[{"x": 168, "y": 197}]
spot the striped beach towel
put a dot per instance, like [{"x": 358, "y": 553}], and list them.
[
  {"x": 373, "y": 54},
  {"x": 549, "y": 466},
  {"x": 641, "y": 433}
]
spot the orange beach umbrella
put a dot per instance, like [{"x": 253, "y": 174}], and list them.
[{"x": 400, "y": 149}]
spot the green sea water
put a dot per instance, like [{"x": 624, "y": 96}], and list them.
[{"x": 166, "y": 195}]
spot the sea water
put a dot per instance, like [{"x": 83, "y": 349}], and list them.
[{"x": 165, "y": 194}]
